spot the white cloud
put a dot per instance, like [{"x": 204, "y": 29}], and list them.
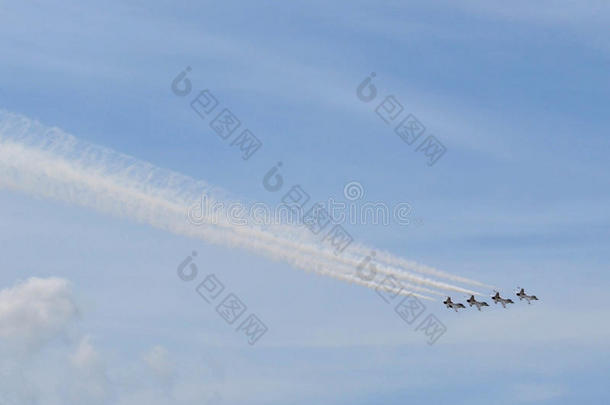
[
  {"x": 89, "y": 383},
  {"x": 77, "y": 372},
  {"x": 36, "y": 310},
  {"x": 158, "y": 360},
  {"x": 85, "y": 357}
]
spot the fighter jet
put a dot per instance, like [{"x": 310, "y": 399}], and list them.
[
  {"x": 523, "y": 296},
  {"x": 472, "y": 301},
  {"x": 453, "y": 305},
  {"x": 496, "y": 298}
]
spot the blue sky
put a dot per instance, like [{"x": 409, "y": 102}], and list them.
[{"x": 517, "y": 93}]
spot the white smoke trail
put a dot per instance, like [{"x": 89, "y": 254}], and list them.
[
  {"x": 348, "y": 259},
  {"x": 406, "y": 265},
  {"x": 46, "y": 161}
]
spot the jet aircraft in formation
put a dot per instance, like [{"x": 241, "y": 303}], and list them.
[
  {"x": 523, "y": 296},
  {"x": 496, "y": 298},
  {"x": 472, "y": 301},
  {"x": 453, "y": 305}
]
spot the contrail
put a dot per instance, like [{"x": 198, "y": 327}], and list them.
[
  {"x": 49, "y": 162},
  {"x": 406, "y": 265},
  {"x": 350, "y": 257},
  {"x": 347, "y": 261}
]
